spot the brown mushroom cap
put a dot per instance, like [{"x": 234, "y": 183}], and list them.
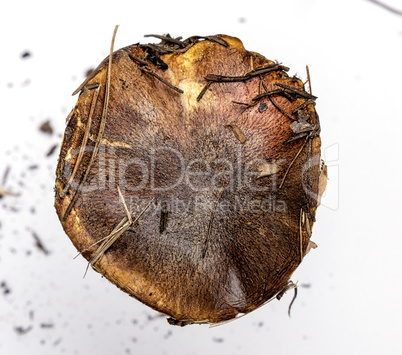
[{"x": 232, "y": 182}]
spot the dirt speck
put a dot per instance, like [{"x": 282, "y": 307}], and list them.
[
  {"x": 89, "y": 72},
  {"x": 26, "y": 55},
  {"x": 5, "y": 289},
  {"x": 21, "y": 330},
  {"x": 45, "y": 127},
  {"x": 5, "y": 175},
  {"x": 47, "y": 325},
  {"x": 39, "y": 244},
  {"x": 218, "y": 340},
  {"x": 263, "y": 106},
  {"x": 57, "y": 341},
  {"x": 168, "y": 334},
  {"x": 305, "y": 285},
  {"x": 52, "y": 150}
]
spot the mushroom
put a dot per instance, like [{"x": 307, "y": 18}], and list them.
[{"x": 183, "y": 180}]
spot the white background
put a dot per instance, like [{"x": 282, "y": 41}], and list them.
[{"x": 353, "y": 302}]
